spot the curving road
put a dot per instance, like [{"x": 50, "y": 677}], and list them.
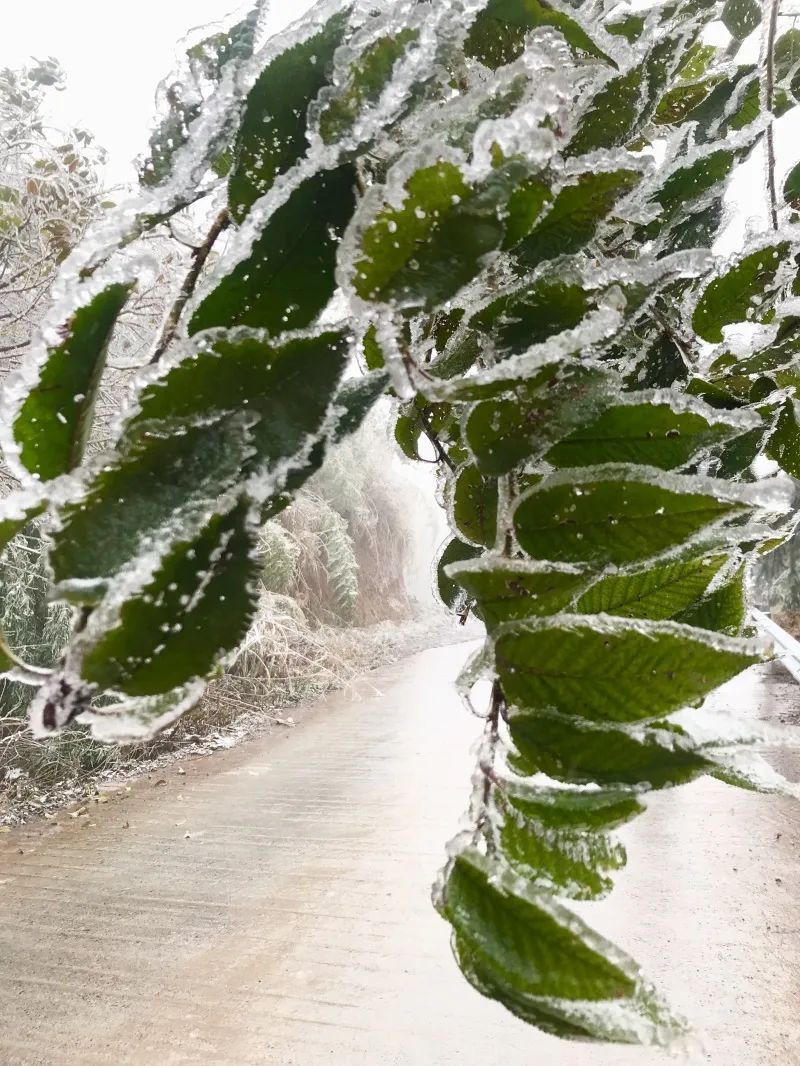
[{"x": 271, "y": 905}]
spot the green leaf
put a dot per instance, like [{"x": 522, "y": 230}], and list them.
[
  {"x": 286, "y": 389},
  {"x": 568, "y": 862},
  {"x": 784, "y": 443},
  {"x": 576, "y": 213},
  {"x": 520, "y": 319},
  {"x": 497, "y": 36},
  {"x": 407, "y": 431},
  {"x": 577, "y": 751},
  {"x": 288, "y": 277},
  {"x": 678, "y": 103},
  {"x": 367, "y": 77},
  {"x": 54, "y": 421},
  {"x": 560, "y": 808},
  {"x": 372, "y": 351},
  {"x": 787, "y": 55},
  {"x": 152, "y": 491},
  {"x": 272, "y": 136},
  {"x": 742, "y": 294},
  {"x": 455, "y": 551},
  {"x": 612, "y": 521},
  {"x": 503, "y": 432},
  {"x": 741, "y": 17},
  {"x": 724, "y": 610},
  {"x": 532, "y": 943},
  {"x": 420, "y": 254},
  {"x": 355, "y": 399},
  {"x": 791, "y": 186},
  {"x": 509, "y": 589},
  {"x": 196, "y": 608},
  {"x": 649, "y": 433},
  {"x": 658, "y": 593},
  {"x": 611, "y": 119},
  {"x": 689, "y": 183},
  {"x": 474, "y": 506},
  {"x": 611, "y": 670}
]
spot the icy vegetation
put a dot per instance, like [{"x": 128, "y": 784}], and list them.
[{"x": 506, "y": 212}]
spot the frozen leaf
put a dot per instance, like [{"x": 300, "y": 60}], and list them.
[
  {"x": 423, "y": 252},
  {"x": 367, "y": 76},
  {"x": 288, "y": 276},
  {"x": 55, "y": 418},
  {"x": 741, "y": 17},
  {"x": 531, "y": 315},
  {"x": 526, "y": 941},
  {"x": 581, "y": 752},
  {"x": 503, "y": 432},
  {"x": 511, "y": 589},
  {"x": 498, "y": 34},
  {"x": 562, "y": 808},
  {"x": 722, "y": 610},
  {"x": 576, "y": 214},
  {"x": 286, "y": 388},
  {"x": 163, "y": 479},
  {"x": 197, "y": 607},
  {"x": 649, "y": 433},
  {"x": 568, "y": 862},
  {"x": 613, "y": 521},
  {"x": 610, "y": 670},
  {"x": 659, "y": 592},
  {"x": 742, "y": 294},
  {"x": 474, "y": 506},
  {"x": 272, "y": 136},
  {"x": 455, "y": 551}
]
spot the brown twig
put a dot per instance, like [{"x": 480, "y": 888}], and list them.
[
  {"x": 768, "y": 92},
  {"x": 199, "y": 256}
]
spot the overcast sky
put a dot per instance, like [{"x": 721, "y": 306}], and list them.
[{"x": 114, "y": 55}]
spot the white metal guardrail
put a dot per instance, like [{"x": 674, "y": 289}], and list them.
[{"x": 787, "y": 648}]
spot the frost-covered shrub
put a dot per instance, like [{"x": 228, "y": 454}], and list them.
[{"x": 506, "y": 210}]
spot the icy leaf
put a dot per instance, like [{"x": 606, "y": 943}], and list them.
[
  {"x": 614, "y": 521},
  {"x": 659, "y": 592},
  {"x": 649, "y": 433},
  {"x": 503, "y": 432},
  {"x": 575, "y": 215},
  {"x": 286, "y": 389},
  {"x": 741, "y": 294},
  {"x": 784, "y": 443},
  {"x": 474, "y": 506},
  {"x": 723, "y": 610},
  {"x": 288, "y": 276},
  {"x": 791, "y": 186},
  {"x": 510, "y": 589},
  {"x": 167, "y": 476},
  {"x": 578, "y": 751},
  {"x": 610, "y": 670},
  {"x": 498, "y": 34},
  {"x": 561, "y": 808},
  {"x": 526, "y": 317},
  {"x": 368, "y": 76},
  {"x": 272, "y": 136},
  {"x": 196, "y": 608},
  {"x": 568, "y": 862},
  {"x": 525, "y": 940},
  {"x": 423, "y": 252},
  {"x": 54, "y": 421},
  {"x": 355, "y": 399},
  {"x": 741, "y": 17},
  {"x": 455, "y": 551},
  {"x": 689, "y": 183}
]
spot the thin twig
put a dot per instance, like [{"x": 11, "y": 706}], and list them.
[
  {"x": 199, "y": 256},
  {"x": 438, "y": 447},
  {"x": 768, "y": 93}
]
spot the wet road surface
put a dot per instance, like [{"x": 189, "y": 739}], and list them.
[{"x": 271, "y": 905}]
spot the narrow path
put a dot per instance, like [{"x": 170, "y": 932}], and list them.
[{"x": 271, "y": 905}]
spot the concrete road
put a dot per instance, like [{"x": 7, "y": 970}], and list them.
[{"x": 271, "y": 905}]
